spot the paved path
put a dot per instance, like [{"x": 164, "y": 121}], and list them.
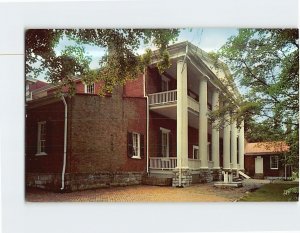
[{"x": 142, "y": 193}]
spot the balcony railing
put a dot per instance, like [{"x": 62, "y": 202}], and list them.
[
  {"x": 163, "y": 163},
  {"x": 167, "y": 97},
  {"x": 163, "y": 97},
  {"x": 169, "y": 163}
]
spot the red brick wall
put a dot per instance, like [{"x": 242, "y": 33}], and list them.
[
  {"x": 156, "y": 121},
  {"x": 153, "y": 81},
  {"x": 53, "y": 114},
  {"x": 79, "y": 86},
  {"x": 250, "y": 166},
  {"x": 99, "y": 132},
  {"x": 134, "y": 88}
]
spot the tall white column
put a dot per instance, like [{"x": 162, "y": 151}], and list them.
[
  {"x": 215, "y": 131},
  {"x": 226, "y": 143},
  {"x": 203, "y": 122},
  {"x": 182, "y": 115},
  {"x": 233, "y": 144},
  {"x": 241, "y": 146}
]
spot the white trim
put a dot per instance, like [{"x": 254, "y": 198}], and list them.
[
  {"x": 39, "y": 148},
  {"x": 165, "y": 130},
  {"x": 136, "y": 148},
  {"x": 277, "y": 162},
  {"x": 86, "y": 88},
  {"x": 41, "y": 154},
  {"x": 195, "y": 148}
]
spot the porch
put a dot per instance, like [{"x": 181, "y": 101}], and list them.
[{"x": 159, "y": 164}]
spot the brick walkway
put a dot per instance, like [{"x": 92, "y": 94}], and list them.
[{"x": 142, "y": 193}]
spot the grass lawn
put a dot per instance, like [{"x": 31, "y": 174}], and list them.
[{"x": 269, "y": 192}]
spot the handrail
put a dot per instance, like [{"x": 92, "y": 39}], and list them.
[{"x": 163, "y": 97}]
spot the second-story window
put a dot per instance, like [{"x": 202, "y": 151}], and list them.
[
  {"x": 90, "y": 88},
  {"x": 164, "y": 83}
]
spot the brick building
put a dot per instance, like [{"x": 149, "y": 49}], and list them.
[
  {"x": 265, "y": 160},
  {"x": 156, "y": 125}
]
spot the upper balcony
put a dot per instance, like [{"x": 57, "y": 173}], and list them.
[{"x": 169, "y": 99}]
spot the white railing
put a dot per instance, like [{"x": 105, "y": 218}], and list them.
[
  {"x": 163, "y": 163},
  {"x": 194, "y": 163},
  {"x": 163, "y": 97}
]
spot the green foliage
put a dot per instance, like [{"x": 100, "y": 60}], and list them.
[
  {"x": 270, "y": 192},
  {"x": 265, "y": 64},
  {"x": 120, "y": 63},
  {"x": 292, "y": 193}
]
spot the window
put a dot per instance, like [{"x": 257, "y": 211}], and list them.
[
  {"x": 90, "y": 88},
  {"x": 165, "y": 140},
  {"x": 195, "y": 152},
  {"x": 41, "y": 142},
  {"x": 274, "y": 162},
  {"x": 164, "y": 83},
  {"x": 135, "y": 145}
]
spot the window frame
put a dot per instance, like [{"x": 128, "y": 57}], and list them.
[
  {"x": 276, "y": 157},
  {"x": 166, "y": 132},
  {"x": 41, "y": 125},
  {"x": 196, "y": 148},
  {"x": 87, "y": 87},
  {"x": 136, "y": 148}
]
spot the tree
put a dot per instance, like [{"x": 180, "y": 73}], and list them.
[
  {"x": 120, "y": 63},
  {"x": 265, "y": 64}
]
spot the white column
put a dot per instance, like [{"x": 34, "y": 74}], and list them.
[
  {"x": 203, "y": 122},
  {"x": 241, "y": 147},
  {"x": 233, "y": 146},
  {"x": 226, "y": 143},
  {"x": 215, "y": 131},
  {"x": 182, "y": 115}
]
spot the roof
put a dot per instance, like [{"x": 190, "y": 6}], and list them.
[{"x": 262, "y": 148}]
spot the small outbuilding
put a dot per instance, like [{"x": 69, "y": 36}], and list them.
[{"x": 265, "y": 160}]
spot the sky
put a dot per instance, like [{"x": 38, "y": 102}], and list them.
[{"x": 208, "y": 39}]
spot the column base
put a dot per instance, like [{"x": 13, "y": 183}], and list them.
[
  {"x": 217, "y": 174},
  {"x": 182, "y": 177},
  {"x": 206, "y": 176}
]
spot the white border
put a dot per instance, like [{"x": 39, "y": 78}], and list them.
[{"x": 18, "y": 216}]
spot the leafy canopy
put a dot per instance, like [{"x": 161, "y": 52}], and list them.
[
  {"x": 265, "y": 64},
  {"x": 120, "y": 63}
]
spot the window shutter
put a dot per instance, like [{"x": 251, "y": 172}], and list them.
[
  {"x": 142, "y": 145},
  {"x": 159, "y": 144},
  {"x": 129, "y": 145}
]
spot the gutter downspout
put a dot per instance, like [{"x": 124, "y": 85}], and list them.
[
  {"x": 65, "y": 145},
  {"x": 147, "y": 120}
]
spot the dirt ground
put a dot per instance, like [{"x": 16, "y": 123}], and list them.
[{"x": 143, "y": 193}]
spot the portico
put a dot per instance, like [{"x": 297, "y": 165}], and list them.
[{"x": 198, "y": 91}]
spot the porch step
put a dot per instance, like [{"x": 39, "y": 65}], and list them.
[
  {"x": 156, "y": 181},
  {"x": 244, "y": 175}
]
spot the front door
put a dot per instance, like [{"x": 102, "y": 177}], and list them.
[{"x": 259, "y": 165}]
